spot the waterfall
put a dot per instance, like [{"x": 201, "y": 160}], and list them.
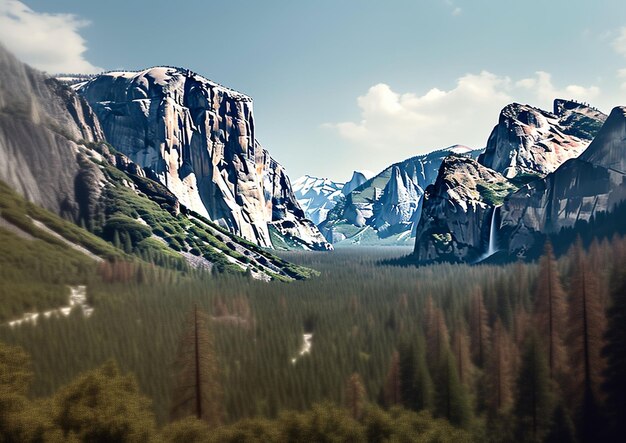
[
  {"x": 493, "y": 234},
  {"x": 492, "y": 247}
]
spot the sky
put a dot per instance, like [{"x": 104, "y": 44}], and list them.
[{"x": 343, "y": 85}]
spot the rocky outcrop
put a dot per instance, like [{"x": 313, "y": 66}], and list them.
[
  {"x": 457, "y": 211},
  {"x": 578, "y": 189},
  {"x": 388, "y": 206},
  {"x": 536, "y": 184},
  {"x": 317, "y": 196},
  {"x": 358, "y": 178},
  {"x": 42, "y": 124},
  {"x": 198, "y": 138},
  {"x": 529, "y": 140}
]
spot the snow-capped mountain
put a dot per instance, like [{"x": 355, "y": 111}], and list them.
[
  {"x": 386, "y": 208},
  {"x": 317, "y": 196}
]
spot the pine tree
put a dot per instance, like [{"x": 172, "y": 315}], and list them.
[
  {"x": 499, "y": 369},
  {"x": 586, "y": 329},
  {"x": 479, "y": 328},
  {"x": 197, "y": 388},
  {"x": 407, "y": 363},
  {"x": 614, "y": 351},
  {"x": 437, "y": 335},
  {"x": 533, "y": 403},
  {"x": 461, "y": 350},
  {"x": 392, "y": 389},
  {"x": 550, "y": 312},
  {"x": 355, "y": 396},
  {"x": 451, "y": 398}
]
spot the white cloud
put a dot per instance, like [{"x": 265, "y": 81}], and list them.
[
  {"x": 50, "y": 42},
  {"x": 619, "y": 44},
  {"x": 405, "y": 124},
  {"x": 457, "y": 11},
  {"x": 542, "y": 88}
]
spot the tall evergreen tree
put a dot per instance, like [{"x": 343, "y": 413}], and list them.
[
  {"x": 437, "y": 335},
  {"x": 586, "y": 330},
  {"x": 479, "y": 328},
  {"x": 551, "y": 313},
  {"x": 197, "y": 387},
  {"x": 392, "y": 389},
  {"x": 499, "y": 369},
  {"x": 355, "y": 396},
  {"x": 461, "y": 351},
  {"x": 533, "y": 403},
  {"x": 614, "y": 351},
  {"x": 451, "y": 397}
]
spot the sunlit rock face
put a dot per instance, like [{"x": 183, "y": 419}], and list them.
[
  {"x": 540, "y": 172},
  {"x": 198, "y": 138},
  {"x": 42, "y": 124},
  {"x": 578, "y": 189},
  {"x": 529, "y": 140},
  {"x": 457, "y": 211}
]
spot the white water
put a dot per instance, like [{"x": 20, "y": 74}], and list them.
[
  {"x": 492, "y": 247},
  {"x": 306, "y": 346},
  {"x": 493, "y": 239},
  {"x": 78, "y": 297}
]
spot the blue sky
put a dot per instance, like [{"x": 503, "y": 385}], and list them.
[{"x": 347, "y": 84}]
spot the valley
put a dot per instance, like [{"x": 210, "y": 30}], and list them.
[{"x": 404, "y": 230}]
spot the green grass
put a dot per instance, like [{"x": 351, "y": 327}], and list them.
[
  {"x": 20, "y": 212},
  {"x": 494, "y": 193}
]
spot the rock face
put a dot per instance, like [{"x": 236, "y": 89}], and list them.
[
  {"x": 387, "y": 208},
  {"x": 528, "y": 140},
  {"x": 42, "y": 123},
  {"x": 317, "y": 196},
  {"x": 578, "y": 189},
  {"x": 198, "y": 139},
  {"x": 543, "y": 194},
  {"x": 358, "y": 178},
  {"x": 458, "y": 209}
]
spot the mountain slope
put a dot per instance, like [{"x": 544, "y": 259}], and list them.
[
  {"x": 386, "y": 208},
  {"x": 458, "y": 209},
  {"x": 317, "y": 196},
  {"x": 41, "y": 122},
  {"x": 198, "y": 139},
  {"x": 53, "y": 154},
  {"x": 580, "y": 188},
  {"x": 521, "y": 210},
  {"x": 529, "y": 140}
]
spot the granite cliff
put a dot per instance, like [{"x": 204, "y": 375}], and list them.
[{"x": 197, "y": 138}]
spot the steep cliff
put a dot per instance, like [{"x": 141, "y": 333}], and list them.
[
  {"x": 578, "y": 189},
  {"x": 53, "y": 153},
  {"x": 42, "y": 124},
  {"x": 198, "y": 139},
  {"x": 357, "y": 179},
  {"x": 529, "y": 140},
  {"x": 387, "y": 208},
  {"x": 540, "y": 186},
  {"x": 457, "y": 212}
]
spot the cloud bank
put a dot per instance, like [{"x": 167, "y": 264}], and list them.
[
  {"x": 50, "y": 42},
  {"x": 409, "y": 123}
]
